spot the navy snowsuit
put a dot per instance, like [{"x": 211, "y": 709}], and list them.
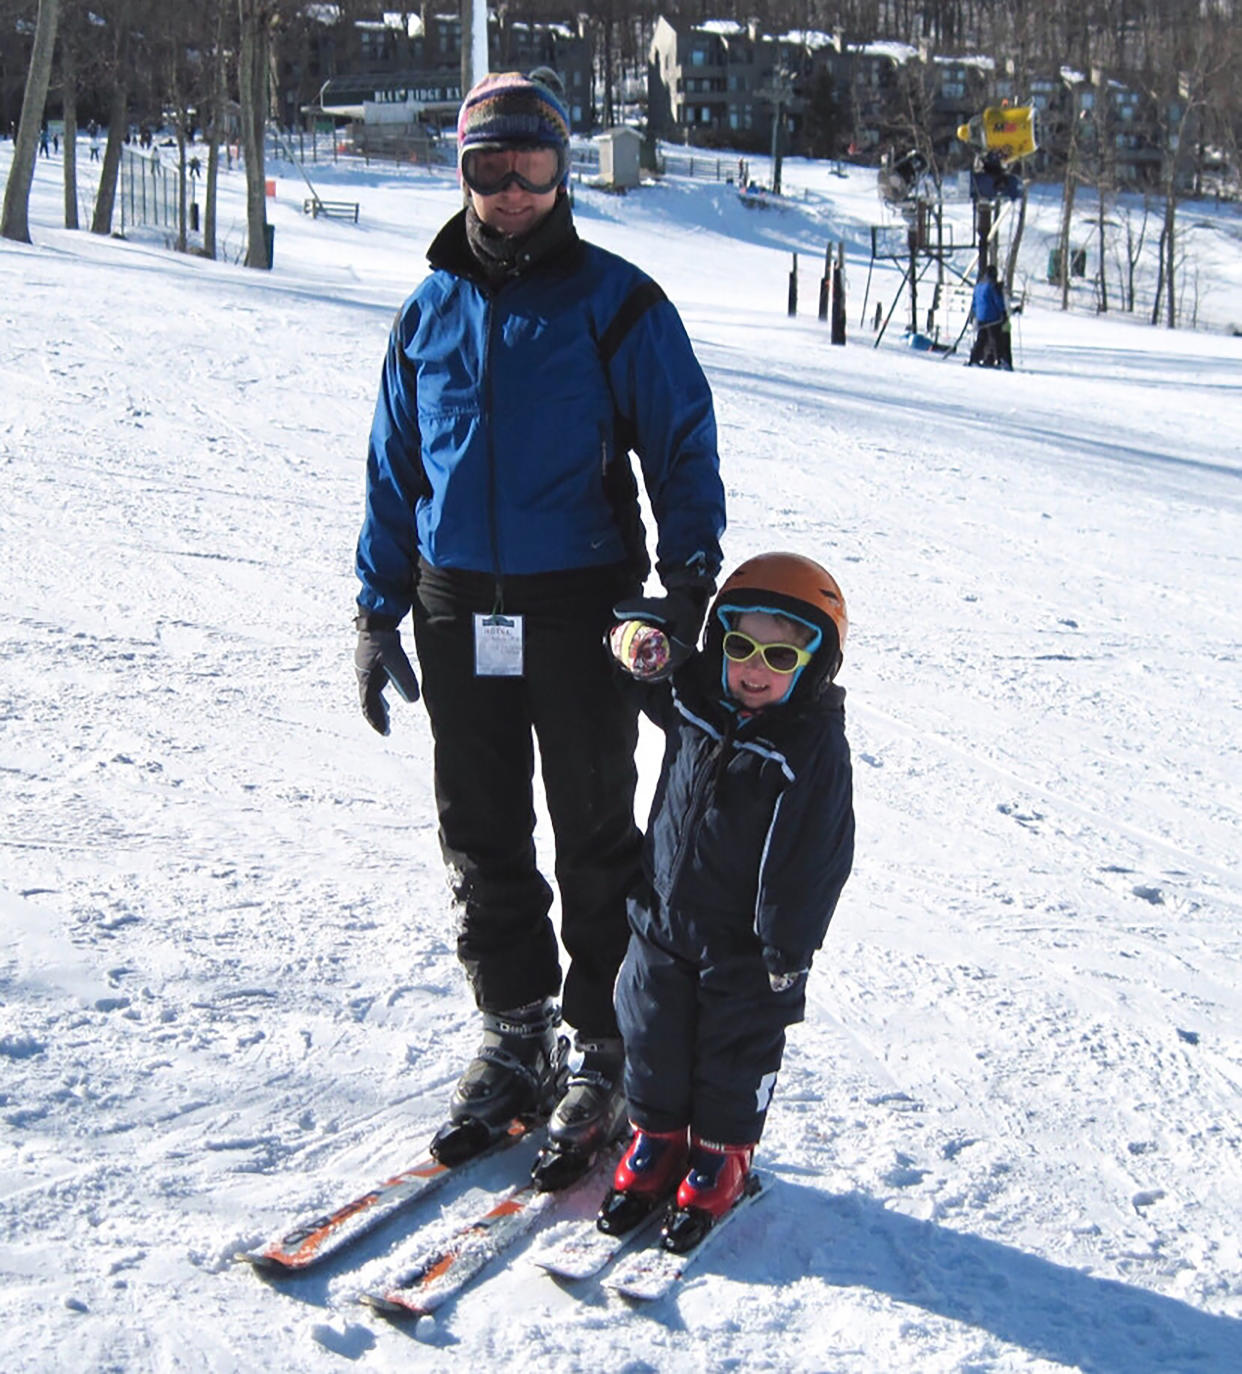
[{"x": 749, "y": 843}]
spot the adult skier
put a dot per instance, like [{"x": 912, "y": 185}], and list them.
[
  {"x": 991, "y": 320},
  {"x": 502, "y": 510}
]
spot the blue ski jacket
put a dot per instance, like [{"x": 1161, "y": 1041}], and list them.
[
  {"x": 989, "y": 303},
  {"x": 506, "y": 413}
]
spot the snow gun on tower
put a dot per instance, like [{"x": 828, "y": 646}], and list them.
[{"x": 1001, "y": 136}]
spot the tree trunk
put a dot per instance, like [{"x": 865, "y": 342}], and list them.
[
  {"x": 69, "y": 82},
  {"x": 1169, "y": 238},
  {"x": 252, "y": 86},
  {"x": 220, "y": 87},
  {"x": 466, "y": 73},
  {"x": 1011, "y": 263},
  {"x": 1103, "y": 246},
  {"x": 15, "y": 218},
  {"x": 1155, "y": 309},
  {"x": 209, "y": 205},
  {"x": 183, "y": 208},
  {"x": 105, "y": 199},
  {"x": 1067, "y": 217},
  {"x": 610, "y": 113}
]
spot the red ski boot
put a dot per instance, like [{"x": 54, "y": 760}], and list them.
[
  {"x": 715, "y": 1183},
  {"x": 647, "y": 1173}
]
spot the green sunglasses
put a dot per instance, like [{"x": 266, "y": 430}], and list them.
[{"x": 780, "y": 658}]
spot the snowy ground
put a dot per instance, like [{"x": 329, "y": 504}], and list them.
[{"x": 1007, "y": 1137}]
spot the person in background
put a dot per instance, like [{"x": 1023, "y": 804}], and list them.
[
  {"x": 748, "y": 846},
  {"x": 501, "y": 509},
  {"x": 991, "y": 318}
]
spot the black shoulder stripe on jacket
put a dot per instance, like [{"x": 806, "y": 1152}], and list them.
[{"x": 633, "y": 307}]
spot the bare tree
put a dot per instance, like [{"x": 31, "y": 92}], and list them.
[
  {"x": 117, "y": 81},
  {"x": 69, "y": 108},
  {"x": 1015, "y": 243},
  {"x": 1069, "y": 192},
  {"x": 255, "y": 18},
  {"x": 15, "y": 218},
  {"x": 215, "y": 125},
  {"x": 1187, "y": 68},
  {"x": 1128, "y": 250}
]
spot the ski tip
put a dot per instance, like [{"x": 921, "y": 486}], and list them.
[
  {"x": 559, "y": 1269},
  {"x": 262, "y": 1261},
  {"x": 392, "y": 1308}
]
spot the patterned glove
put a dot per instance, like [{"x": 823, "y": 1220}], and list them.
[{"x": 641, "y": 649}]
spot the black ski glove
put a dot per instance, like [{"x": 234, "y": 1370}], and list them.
[
  {"x": 378, "y": 660},
  {"x": 679, "y": 614}
]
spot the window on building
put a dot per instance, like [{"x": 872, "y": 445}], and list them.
[{"x": 698, "y": 57}]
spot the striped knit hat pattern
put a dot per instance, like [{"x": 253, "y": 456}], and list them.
[{"x": 507, "y": 109}]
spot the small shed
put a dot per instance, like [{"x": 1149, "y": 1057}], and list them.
[{"x": 619, "y": 150}]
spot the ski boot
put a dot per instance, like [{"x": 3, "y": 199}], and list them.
[
  {"x": 647, "y": 1174},
  {"x": 518, "y": 1071},
  {"x": 716, "y": 1181},
  {"x": 588, "y": 1117}
]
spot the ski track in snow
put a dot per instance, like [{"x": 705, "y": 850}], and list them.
[{"x": 1007, "y": 1135}]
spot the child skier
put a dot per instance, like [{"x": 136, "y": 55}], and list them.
[{"x": 749, "y": 843}]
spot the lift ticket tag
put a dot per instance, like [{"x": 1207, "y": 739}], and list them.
[{"x": 497, "y": 645}]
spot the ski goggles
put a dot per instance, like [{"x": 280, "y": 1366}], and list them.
[
  {"x": 538, "y": 169},
  {"x": 780, "y": 658}
]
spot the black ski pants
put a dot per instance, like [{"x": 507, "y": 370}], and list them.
[
  {"x": 570, "y": 701},
  {"x": 987, "y": 346}
]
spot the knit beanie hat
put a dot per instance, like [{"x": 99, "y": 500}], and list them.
[{"x": 508, "y": 109}]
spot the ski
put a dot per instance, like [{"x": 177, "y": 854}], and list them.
[
  {"x": 578, "y": 1249},
  {"x": 313, "y": 1241},
  {"x": 652, "y": 1273},
  {"x": 443, "y": 1271}
]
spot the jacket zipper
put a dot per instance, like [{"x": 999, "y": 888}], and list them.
[
  {"x": 704, "y": 783},
  {"x": 489, "y": 429}
]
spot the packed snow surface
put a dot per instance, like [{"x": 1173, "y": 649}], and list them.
[{"x": 1007, "y": 1136}]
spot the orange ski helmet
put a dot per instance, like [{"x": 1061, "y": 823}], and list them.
[{"x": 792, "y": 585}]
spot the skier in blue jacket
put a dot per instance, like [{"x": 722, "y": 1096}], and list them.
[
  {"x": 749, "y": 843},
  {"x": 501, "y": 509},
  {"x": 991, "y": 317}
]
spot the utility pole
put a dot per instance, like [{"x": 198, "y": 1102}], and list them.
[{"x": 474, "y": 46}]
